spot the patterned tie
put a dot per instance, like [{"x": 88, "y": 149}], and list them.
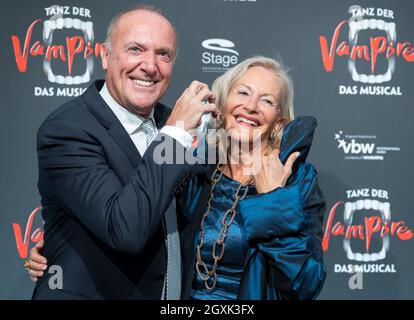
[
  {"x": 172, "y": 284},
  {"x": 148, "y": 127},
  {"x": 173, "y": 277}
]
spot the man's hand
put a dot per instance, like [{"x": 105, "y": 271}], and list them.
[
  {"x": 191, "y": 106},
  {"x": 38, "y": 263}
]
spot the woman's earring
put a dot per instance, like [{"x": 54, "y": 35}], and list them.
[
  {"x": 272, "y": 139},
  {"x": 219, "y": 119}
]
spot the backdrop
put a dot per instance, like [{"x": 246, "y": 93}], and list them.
[{"x": 352, "y": 66}]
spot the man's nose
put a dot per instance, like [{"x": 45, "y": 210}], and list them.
[{"x": 149, "y": 62}]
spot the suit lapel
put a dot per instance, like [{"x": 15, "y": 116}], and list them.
[
  {"x": 121, "y": 137},
  {"x": 107, "y": 118},
  {"x": 161, "y": 114}
]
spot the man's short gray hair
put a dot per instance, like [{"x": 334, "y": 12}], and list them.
[{"x": 143, "y": 7}]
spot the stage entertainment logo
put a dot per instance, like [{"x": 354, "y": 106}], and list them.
[
  {"x": 66, "y": 46},
  {"x": 365, "y": 224},
  {"x": 372, "y": 50},
  {"x": 218, "y": 55}
]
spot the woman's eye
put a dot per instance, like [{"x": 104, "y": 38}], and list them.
[
  {"x": 268, "y": 102},
  {"x": 243, "y": 93}
]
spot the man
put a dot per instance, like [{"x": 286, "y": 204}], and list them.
[{"x": 103, "y": 194}]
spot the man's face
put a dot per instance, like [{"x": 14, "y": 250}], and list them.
[{"x": 140, "y": 63}]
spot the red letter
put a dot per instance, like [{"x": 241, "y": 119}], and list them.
[
  {"x": 403, "y": 232},
  {"x": 326, "y": 235},
  {"x": 88, "y": 51},
  {"x": 56, "y": 51},
  {"x": 378, "y": 45},
  {"x": 23, "y": 244},
  {"x": 338, "y": 229},
  {"x": 390, "y": 50},
  {"x": 371, "y": 229},
  {"x": 343, "y": 49},
  {"x": 360, "y": 52},
  {"x": 72, "y": 49},
  {"x": 328, "y": 58},
  {"x": 385, "y": 230},
  {"x": 37, "y": 49},
  {"x": 408, "y": 54},
  {"x": 97, "y": 49},
  {"x": 21, "y": 57}
]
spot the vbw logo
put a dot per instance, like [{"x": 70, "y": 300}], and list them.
[
  {"x": 219, "y": 55},
  {"x": 362, "y": 147},
  {"x": 356, "y": 148}
]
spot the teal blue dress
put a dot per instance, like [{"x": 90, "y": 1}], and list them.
[
  {"x": 230, "y": 267},
  {"x": 273, "y": 249}
]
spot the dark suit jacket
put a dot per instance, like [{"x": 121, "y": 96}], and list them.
[{"x": 103, "y": 203}]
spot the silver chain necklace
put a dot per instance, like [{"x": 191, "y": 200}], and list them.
[{"x": 219, "y": 244}]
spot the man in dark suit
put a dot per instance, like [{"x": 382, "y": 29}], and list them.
[{"x": 104, "y": 194}]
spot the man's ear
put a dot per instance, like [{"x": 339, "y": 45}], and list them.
[{"x": 104, "y": 52}]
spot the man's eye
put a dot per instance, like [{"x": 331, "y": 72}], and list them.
[
  {"x": 134, "y": 49},
  {"x": 243, "y": 93},
  {"x": 166, "y": 55}
]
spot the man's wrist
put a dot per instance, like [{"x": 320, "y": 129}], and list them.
[{"x": 178, "y": 134}]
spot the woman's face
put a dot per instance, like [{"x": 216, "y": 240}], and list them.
[{"x": 252, "y": 108}]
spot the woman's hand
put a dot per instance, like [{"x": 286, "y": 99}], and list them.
[
  {"x": 273, "y": 173},
  {"x": 38, "y": 263}
]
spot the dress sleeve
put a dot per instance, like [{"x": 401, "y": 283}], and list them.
[{"x": 284, "y": 230}]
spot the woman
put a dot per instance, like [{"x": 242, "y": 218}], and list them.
[{"x": 251, "y": 227}]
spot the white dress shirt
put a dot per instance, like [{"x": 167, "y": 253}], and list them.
[{"x": 132, "y": 122}]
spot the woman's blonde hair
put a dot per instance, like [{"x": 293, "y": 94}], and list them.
[{"x": 222, "y": 86}]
